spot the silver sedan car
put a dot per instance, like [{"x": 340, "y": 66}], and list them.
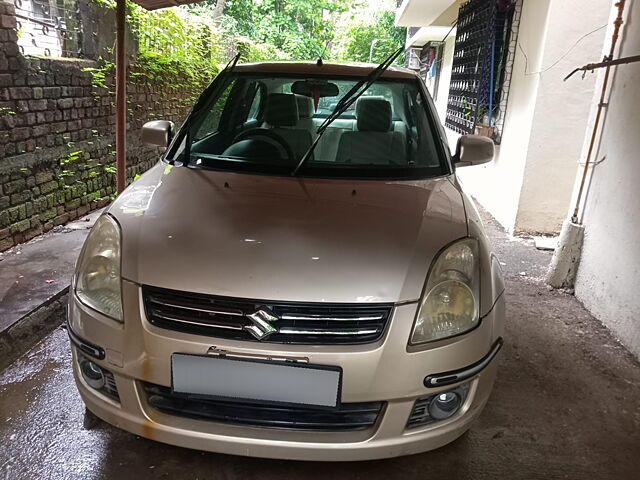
[{"x": 300, "y": 276}]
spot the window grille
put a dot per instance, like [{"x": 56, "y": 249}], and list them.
[
  {"x": 482, "y": 65},
  {"x": 430, "y": 66}
]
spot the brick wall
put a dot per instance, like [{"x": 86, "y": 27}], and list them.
[{"x": 57, "y": 145}]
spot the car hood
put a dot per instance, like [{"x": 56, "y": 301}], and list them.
[{"x": 281, "y": 238}]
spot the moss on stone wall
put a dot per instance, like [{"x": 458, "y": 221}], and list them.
[{"x": 57, "y": 145}]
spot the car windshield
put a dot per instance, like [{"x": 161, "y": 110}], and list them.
[{"x": 266, "y": 123}]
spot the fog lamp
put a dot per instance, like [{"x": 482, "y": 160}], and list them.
[
  {"x": 440, "y": 406},
  {"x": 92, "y": 374},
  {"x": 444, "y": 405}
]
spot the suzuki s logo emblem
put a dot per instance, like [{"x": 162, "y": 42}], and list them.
[{"x": 261, "y": 321}]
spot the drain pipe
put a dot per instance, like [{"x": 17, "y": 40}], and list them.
[
  {"x": 614, "y": 40},
  {"x": 566, "y": 258}
]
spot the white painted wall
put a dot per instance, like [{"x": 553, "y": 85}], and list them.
[
  {"x": 609, "y": 272},
  {"x": 497, "y": 185},
  {"x": 561, "y": 112}
]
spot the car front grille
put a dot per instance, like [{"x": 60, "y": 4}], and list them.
[
  {"x": 272, "y": 322},
  {"x": 348, "y": 416}
]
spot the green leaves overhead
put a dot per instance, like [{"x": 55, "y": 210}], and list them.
[
  {"x": 340, "y": 30},
  {"x": 192, "y": 42},
  {"x": 380, "y": 31}
]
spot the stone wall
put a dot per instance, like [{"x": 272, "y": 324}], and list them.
[{"x": 57, "y": 145}]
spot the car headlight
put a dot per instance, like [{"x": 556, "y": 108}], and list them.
[
  {"x": 97, "y": 281},
  {"x": 450, "y": 301}
]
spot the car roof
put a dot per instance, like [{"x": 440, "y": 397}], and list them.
[{"x": 328, "y": 69}]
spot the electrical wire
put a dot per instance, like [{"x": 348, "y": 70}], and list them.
[{"x": 526, "y": 59}]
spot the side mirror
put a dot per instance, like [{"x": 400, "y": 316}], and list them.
[
  {"x": 473, "y": 150},
  {"x": 157, "y": 132}
]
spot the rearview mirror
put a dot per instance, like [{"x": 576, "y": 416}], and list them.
[
  {"x": 157, "y": 132},
  {"x": 473, "y": 150},
  {"x": 311, "y": 88}
]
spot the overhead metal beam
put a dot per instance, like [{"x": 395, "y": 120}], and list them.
[{"x": 156, "y": 4}]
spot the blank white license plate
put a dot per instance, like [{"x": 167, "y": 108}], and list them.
[{"x": 256, "y": 380}]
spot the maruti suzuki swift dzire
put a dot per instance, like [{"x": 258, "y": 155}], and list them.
[{"x": 300, "y": 276}]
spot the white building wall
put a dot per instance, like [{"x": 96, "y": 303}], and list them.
[
  {"x": 561, "y": 112},
  {"x": 609, "y": 272},
  {"x": 497, "y": 185}
]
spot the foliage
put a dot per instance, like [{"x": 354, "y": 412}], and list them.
[
  {"x": 303, "y": 29},
  {"x": 99, "y": 74},
  {"x": 194, "y": 40},
  {"x": 358, "y": 36},
  {"x": 187, "y": 43},
  {"x": 254, "y": 52},
  {"x": 172, "y": 39},
  {"x": 190, "y": 43}
]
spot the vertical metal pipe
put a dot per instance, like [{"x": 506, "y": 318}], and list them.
[
  {"x": 492, "y": 67},
  {"x": 614, "y": 40},
  {"x": 121, "y": 95}
]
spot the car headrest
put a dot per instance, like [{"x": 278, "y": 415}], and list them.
[
  {"x": 373, "y": 114},
  {"x": 305, "y": 106},
  {"x": 281, "y": 110}
]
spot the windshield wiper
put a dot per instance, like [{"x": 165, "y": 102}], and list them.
[
  {"x": 346, "y": 101},
  {"x": 220, "y": 82}
]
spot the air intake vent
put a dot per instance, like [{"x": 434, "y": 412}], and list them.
[{"x": 349, "y": 416}]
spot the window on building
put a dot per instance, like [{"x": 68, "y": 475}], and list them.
[
  {"x": 430, "y": 65},
  {"x": 48, "y": 27}
]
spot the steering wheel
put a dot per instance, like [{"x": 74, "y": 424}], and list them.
[{"x": 280, "y": 142}]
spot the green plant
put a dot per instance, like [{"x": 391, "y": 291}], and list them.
[
  {"x": 70, "y": 157},
  {"x": 373, "y": 40},
  {"x": 99, "y": 74},
  {"x": 175, "y": 42},
  {"x": 110, "y": 4}
]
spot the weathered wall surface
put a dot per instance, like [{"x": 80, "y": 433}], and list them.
[
  {"x": 561, "y": 114},
  {"x": 609, "y": 271},
  {"x": 57, "y": 141}
]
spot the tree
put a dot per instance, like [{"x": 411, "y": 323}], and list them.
[
  {"x": 358, "y": 38},
  {"x": 217, "y": 12},
  {"x": 302, "y": 28},
  {"x": 239, "y": 15},
  {"x": 309, "y": 29}
]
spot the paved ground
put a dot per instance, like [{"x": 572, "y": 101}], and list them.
[
  {"x": 32, "y": 273},
  {"x": 566, "y": 405}
]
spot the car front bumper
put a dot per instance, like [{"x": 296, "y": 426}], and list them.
[{"x": 387, "y": 371}]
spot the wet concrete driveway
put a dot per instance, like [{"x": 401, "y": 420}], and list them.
[{"x": 566, "y": 405}]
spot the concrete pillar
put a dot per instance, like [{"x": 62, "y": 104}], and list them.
[{"x": 566, "y": 258}]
